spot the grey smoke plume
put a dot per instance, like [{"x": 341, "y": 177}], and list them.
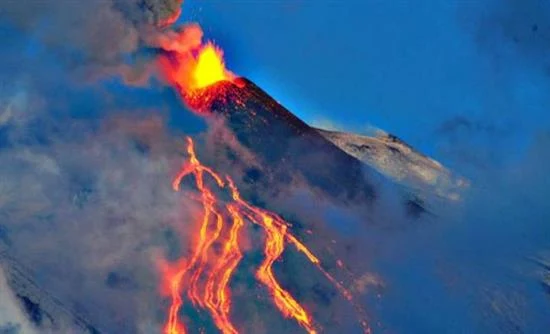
[
  {"x": 96, "y": 35},
  {"x": 151, "y": 12}
]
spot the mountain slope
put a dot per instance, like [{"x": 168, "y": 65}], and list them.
[
  {"x": 286, "y": 146},
  {"x": 333, "y": 162},
  {"x": 42, "y": 309},
  {"x": 394, "y": 158}
]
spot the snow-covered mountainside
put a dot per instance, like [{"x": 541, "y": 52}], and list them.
[
  {"x": 19, "y": 292},
  {"x": 400, "y": 162}
]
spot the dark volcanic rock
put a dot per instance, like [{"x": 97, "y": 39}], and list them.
[{"x": 285, "y": 145}]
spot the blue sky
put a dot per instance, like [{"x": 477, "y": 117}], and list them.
[{"x": 404, "y": 66}]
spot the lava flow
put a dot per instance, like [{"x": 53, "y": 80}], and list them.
[{"x": 206, "y": 275}]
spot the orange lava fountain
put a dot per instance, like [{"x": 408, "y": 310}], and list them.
[
  {"x": 210, "y": 67},
  {"x": 205, "y": 277},
  {"x": 196, "y": 70}
]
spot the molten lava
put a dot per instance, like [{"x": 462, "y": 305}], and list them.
[
  {"x": 205, "y": 276},
  {"x": 195, "y": 71},
  {"x": 210, "y": 67}
]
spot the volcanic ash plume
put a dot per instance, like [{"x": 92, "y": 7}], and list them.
[
  {"x": 180, "y": 40},
  {"x": 94, "y": 36}
]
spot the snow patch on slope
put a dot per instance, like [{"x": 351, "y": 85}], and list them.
[{"x": 397, "y": 160}]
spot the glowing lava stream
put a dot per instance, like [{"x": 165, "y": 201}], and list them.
[{"x": 216, "y": 272}]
